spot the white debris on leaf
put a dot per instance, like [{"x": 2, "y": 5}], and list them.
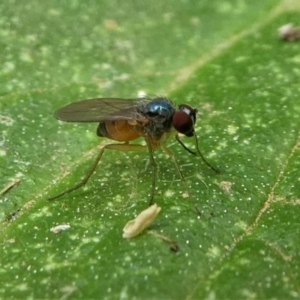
[
  {"x": 59, "y": 228},
  {"x": 226, "y": 186},
  {"x": 289, "y": 32},
  {"x": 142, "y": 221}
]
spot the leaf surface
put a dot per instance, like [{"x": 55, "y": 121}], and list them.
[{"x": 225, "y": 59}]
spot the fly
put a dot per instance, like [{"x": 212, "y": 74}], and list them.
[{"x": 124, "y": 120}]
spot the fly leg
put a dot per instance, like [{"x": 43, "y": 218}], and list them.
[
  {"x": 198, "y": 152},
  {"x": 118, "y": 147},
  {"x": 201, "y": 155},
  {"x": 171, "y": 154},
  {"x": 154, "y": 169}
]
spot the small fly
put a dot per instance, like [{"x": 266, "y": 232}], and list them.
[{"x": 125, "y": 120}]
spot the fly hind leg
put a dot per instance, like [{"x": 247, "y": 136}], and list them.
[{"x": 118, "y": 147}]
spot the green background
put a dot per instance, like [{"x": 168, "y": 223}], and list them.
[{"x": 223, "y": 58}]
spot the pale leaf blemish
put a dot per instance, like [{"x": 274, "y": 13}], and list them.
[
  {"x": 111, "y": 24},
  {"x": 249, "y": 294},
  {"x": 10, "y": 241},
  {"x": 185, "y": 195},
  {"x": 195, "y": 21},
  {"x": 214, "y": 252},
  {"x": 169, "y": 193},
  {"x": 295, "y": 59},
  {"x": 2, "y": 152},
  {"x": 67, "y": 291},
  {"x": 222, "y": 145},
  {"x": 241, "y": 59},
  {"x": 26, "y": 57},
  {"x": 5, "y": 120},
  {"x": 142, "y": 221},
  {"x": 42, "y": 212},
  {"x": 22, "y": 287},
  {"x": 241, "y": 225},
  {"x": 52, "y": 265},
  {"x": 54, "y": 12},
  {"x": 244, "y": 262},
  {"x": 89, "y": 239},
  {"x": 231, "y": 129},
  {"x": 8, "y": 67}
]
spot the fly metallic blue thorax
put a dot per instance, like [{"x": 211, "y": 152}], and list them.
[{"x": 159, "y": 113}]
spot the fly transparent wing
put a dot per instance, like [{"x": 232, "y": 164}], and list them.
[{"x": 101, "y": 110}]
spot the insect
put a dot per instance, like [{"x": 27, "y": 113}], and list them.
[{"x": 124, "y": 120}]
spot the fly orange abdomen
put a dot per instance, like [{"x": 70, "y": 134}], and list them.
[{"x": 121, "y": 131}]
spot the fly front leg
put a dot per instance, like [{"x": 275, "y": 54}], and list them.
[
  {"x": 198, "y": 152},
  {"x": 118, "y": 147}
]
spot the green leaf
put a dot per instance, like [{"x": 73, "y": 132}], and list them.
[{"x": 223, "y": 58}]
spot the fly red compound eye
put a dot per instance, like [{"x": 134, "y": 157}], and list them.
[{"x": 184, "y": 120}]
